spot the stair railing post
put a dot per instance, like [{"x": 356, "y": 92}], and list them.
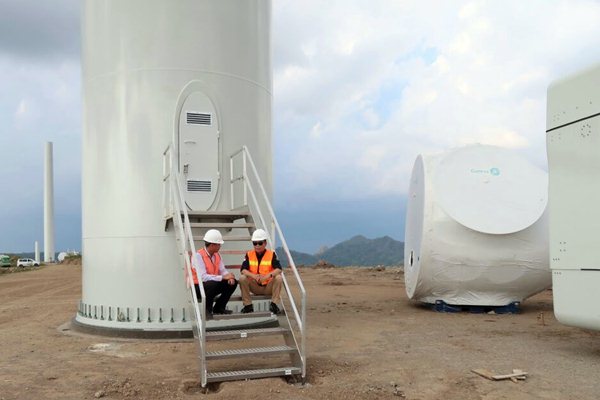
[
  {"x": 253, "y": 196},
  {"x": 234, "y": 178},
  {"x": 273, "y": 234},
  {"x": 245, "y": 175},
  {"x": 167, "y": 170},
  {"x": 231, "y": 180},
  {"x": 303, "y": 334}
]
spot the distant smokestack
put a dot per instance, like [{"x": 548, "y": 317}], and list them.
[
  {"x": 37, "y": 251},
  {"x": 48, "y": 206}
]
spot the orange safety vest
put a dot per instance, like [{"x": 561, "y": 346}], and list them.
[
  {"x": 211, "y": 268},
  {"x": 265, "y": 266}
]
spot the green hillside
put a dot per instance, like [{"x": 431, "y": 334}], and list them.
[{"x": 357, "y": 251}]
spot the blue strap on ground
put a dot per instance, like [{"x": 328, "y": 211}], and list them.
[{"x": 442, "y": 306}]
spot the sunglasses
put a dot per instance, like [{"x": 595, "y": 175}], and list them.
[{"x": 258, "y": 243}]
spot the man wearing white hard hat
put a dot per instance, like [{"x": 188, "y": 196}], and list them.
[
  {"x": 260, "y": 273},
  {"x": 216, "y": 280}
]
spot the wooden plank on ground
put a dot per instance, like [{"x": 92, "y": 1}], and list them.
[
  {"x": 517, "y": 374},
  {"x": 508, "y": 376},
  {"x": 484, "y": 372}
]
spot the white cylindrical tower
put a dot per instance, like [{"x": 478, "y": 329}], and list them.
[
  {"x": 195, "y": 73},
  {"x": 37, "y": 251},
  {"x": 476, "y": 228},
  {"x": 48, "y": 205}
]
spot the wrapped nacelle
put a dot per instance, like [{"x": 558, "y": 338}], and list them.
[{"x": 476, "y": 228}]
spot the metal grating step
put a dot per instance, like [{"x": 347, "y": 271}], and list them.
[
  {"x": 230, "y": 238},
  {"x": 256, "y": 314},
  {"x": 217, "y": 225},
  {"x": 225, "y": 215},
  {"x": 254, "y": 298},
  {"x": 255, "y": 351},
  {"x": 251, "y": 374},
  {"x": 244, "y": 333},
  {"x": 215, "y": 217}
]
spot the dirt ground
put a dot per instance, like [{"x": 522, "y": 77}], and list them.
[{"x": 366, "y": 341}]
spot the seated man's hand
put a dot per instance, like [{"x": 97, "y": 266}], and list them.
[{"x": 228, "y": 276}]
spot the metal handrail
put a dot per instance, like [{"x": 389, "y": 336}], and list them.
[
  {"x": 300, "y": 317},
  {"x": 173, "y": 194}
]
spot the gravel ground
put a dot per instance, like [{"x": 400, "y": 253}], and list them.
[{"x": 366, "y": 340}]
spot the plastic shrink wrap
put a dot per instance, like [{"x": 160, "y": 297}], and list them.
[{"x": 476, "y": 228}]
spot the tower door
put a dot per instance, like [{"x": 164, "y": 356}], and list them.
[{"x": 199, "y": 151}]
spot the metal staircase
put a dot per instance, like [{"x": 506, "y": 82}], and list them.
[{"x": 258, "y": 344}]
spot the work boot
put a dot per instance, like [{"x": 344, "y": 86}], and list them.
[
  {"x": 274, "y": 309},
  {"x": 248, "y": 309}
]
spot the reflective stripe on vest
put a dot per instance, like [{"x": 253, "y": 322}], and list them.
[
  {"x": 211, "y": 268},
  {"x": 265, "y": 266}
]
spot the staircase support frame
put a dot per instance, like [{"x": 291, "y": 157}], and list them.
[
  {"x": 274, "y": 231},
  {"x": 175, "y": 204}
]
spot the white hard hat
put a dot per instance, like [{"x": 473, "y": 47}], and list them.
[
  {"x": 259, "y": 234},
  {"x": 213, "y": 236}
]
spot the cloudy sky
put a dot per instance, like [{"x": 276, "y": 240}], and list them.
[{"x": 360, "y": 89}]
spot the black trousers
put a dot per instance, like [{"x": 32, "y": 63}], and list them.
[{"x": 212, "y": 289}]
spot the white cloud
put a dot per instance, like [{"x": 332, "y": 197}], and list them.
[
  {"x": 470, "y": 72},
  {"x": 495, "y": 137},
  {"x": 315, "y": 132},
  {"x": 41, "y": 31},
  {"x": 21, "y": 112},
  {"x": 372, "y": 156}
]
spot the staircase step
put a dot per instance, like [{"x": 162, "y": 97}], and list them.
[
  {"x": 231, "y": 238},
  {"x": 215, "y": 216},
  {"x": 254, "y": 298},
  {"x": 256, "y": 314},
  {"x": 251, "y": 374},
  {"x": 228, "y": 215},
  {"x": 254, "y": 351},
  {"x": 237, "y": 238},
  {"x": 216, "y": 225},
  {"x": 244, "y": 333}
]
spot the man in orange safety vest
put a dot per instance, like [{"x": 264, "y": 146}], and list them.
[
  {"x": 215, "y": 277},
  {"x": 260, "y": 273}
]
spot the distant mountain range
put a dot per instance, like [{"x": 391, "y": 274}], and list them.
[{"x": 357, "y": 251}]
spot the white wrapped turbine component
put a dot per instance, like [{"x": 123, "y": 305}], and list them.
[{"x": 476, "y": 228}]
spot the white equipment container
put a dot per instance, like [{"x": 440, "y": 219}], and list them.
[
  {"x": 193, "y": 72},
  {"x": 573, "y": 144},
  {"x": 476, "y": 228}
]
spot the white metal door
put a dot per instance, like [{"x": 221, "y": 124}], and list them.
[{"x": 199, "y": 151}]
